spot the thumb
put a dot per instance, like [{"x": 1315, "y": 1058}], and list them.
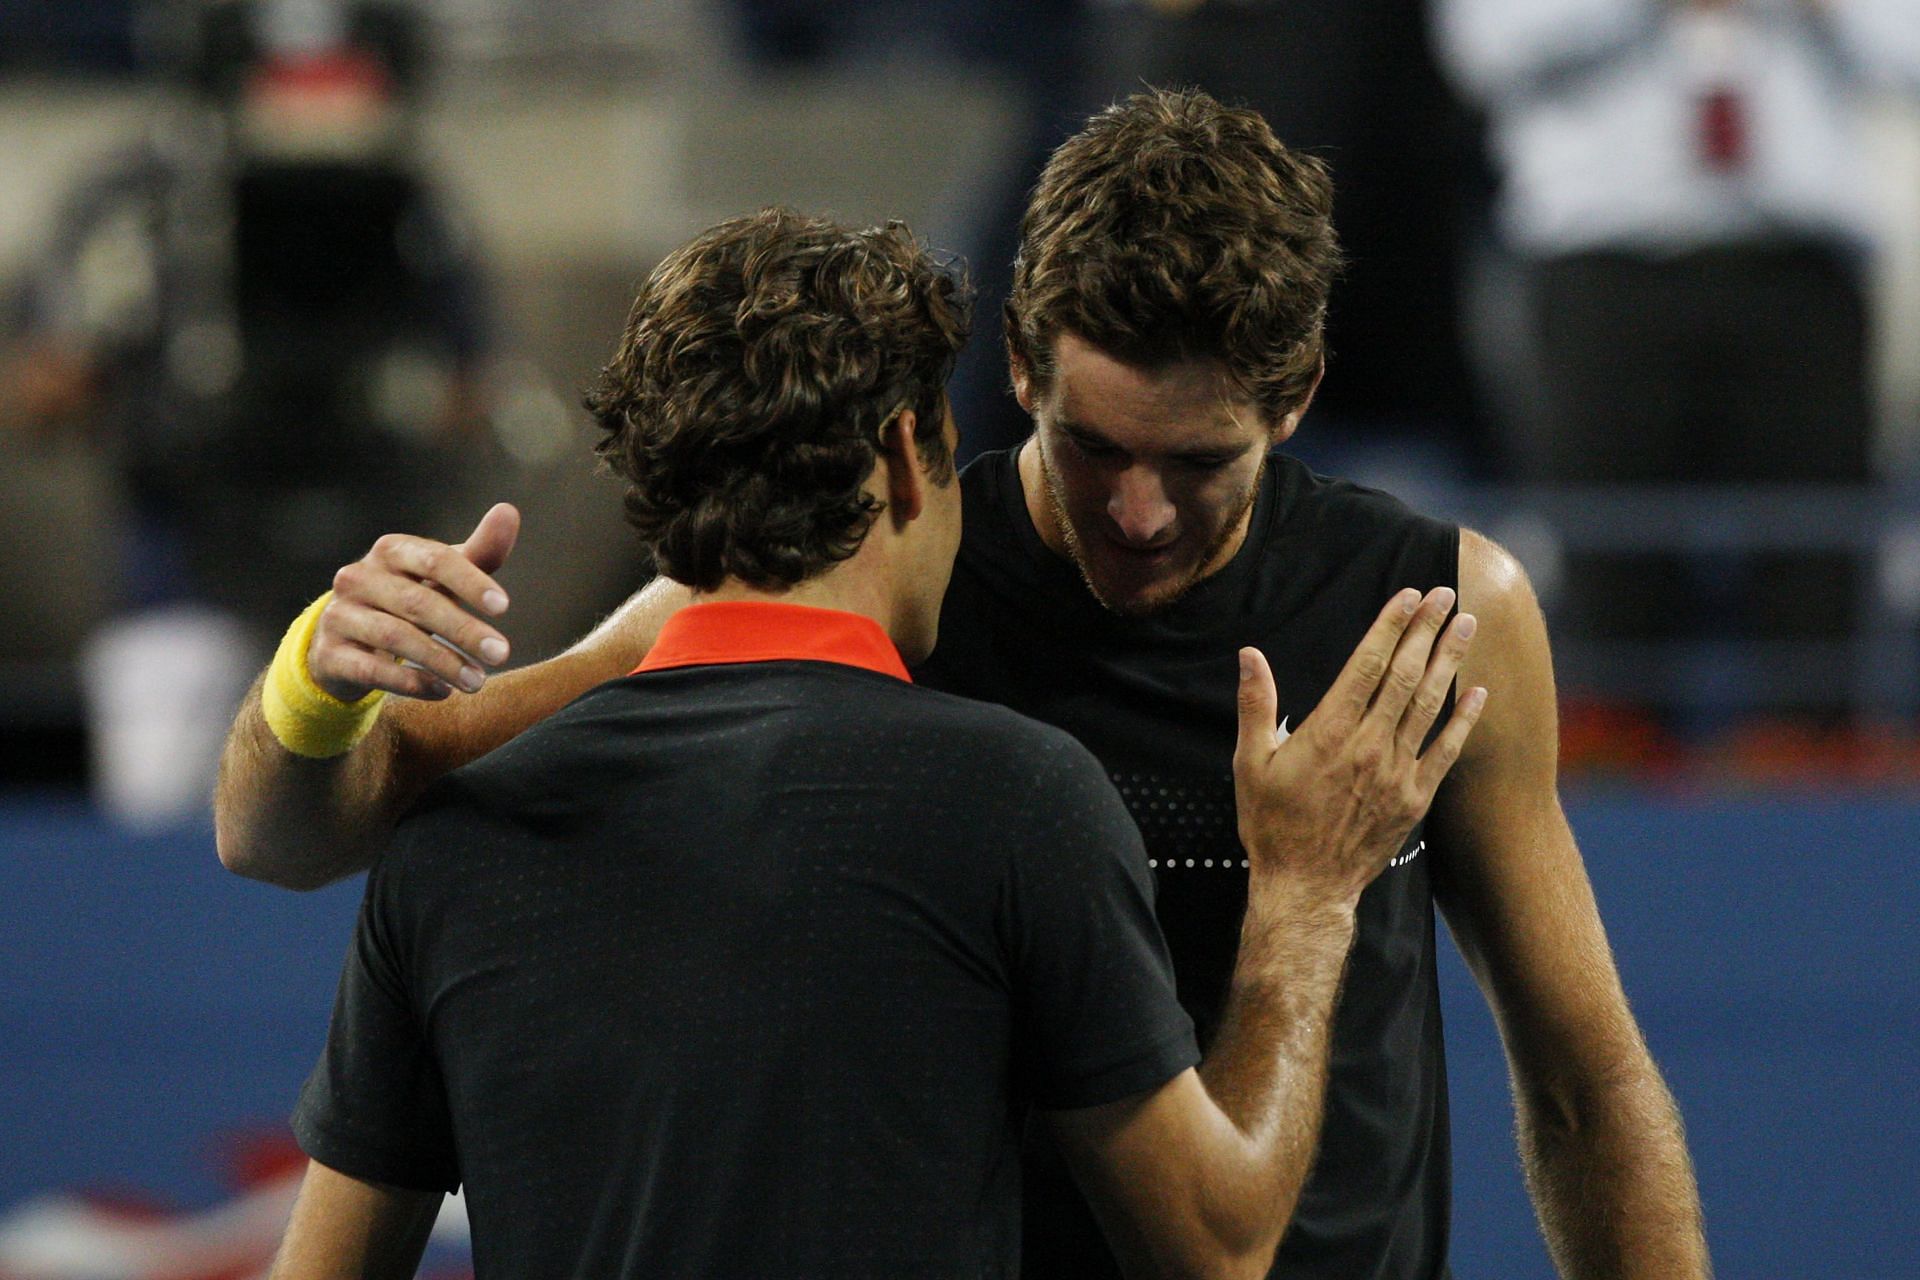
[
  {"x": 1259, "y": 704},
  {"x": 491, "y": 541}
]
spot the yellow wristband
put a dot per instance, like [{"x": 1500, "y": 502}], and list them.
[{"x": 307, "y": 719}]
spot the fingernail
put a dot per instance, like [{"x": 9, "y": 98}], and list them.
[
  {"x": 1246, "y": 666},
  {"x": 1444, "y": 597},
  {"x": 494, "y": 602},
  {"x": 1465, "y": 625},
  {"x": 1409, "y": 600},
  {"x": 1476, "y": 698},
  {"x": 471, "y": 678},
  {"x": 494, "y": 650}
]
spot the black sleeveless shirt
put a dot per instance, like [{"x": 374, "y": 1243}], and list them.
[{"x": 1154, "y": 699}]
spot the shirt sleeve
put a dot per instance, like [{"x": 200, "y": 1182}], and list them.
[
  {"x": 375, "y": 1107},
  {"x": 1096, "y": 1015}
]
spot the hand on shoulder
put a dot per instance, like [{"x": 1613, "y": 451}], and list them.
[
  {"x": 1328, "y": 805},
  {"x": 407, "y": 617}
]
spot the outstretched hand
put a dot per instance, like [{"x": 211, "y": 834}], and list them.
[
  {"x": 403, "y": 617},
  {"x": 1331, "y": 803}
]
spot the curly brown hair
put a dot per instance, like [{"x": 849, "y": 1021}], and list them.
[
  {"x": 1173, "y": 228},
  {"x": 745, "y": 404}
]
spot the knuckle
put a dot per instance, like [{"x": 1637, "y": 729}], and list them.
[
  {"x": 345, "y": 578},
  {"x": 414, "y": 600},
  {"x": 325, "y": 658},
  {"x": 386, "y": 546},
  {"x": 344, "y": 664},
  {"x": 1370, "y": 666},
  {"x": 390, "y": 634}
]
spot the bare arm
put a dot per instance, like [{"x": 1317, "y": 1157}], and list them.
[
  {"x": 302, "y": 823},
  {"x": 345, "y": 1229},
  {"x": 1200, "y": 1177},
  {"x": 1599, "y": 1133}
]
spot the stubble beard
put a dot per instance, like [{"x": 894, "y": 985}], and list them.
[{"x": 1152, "y": 601}]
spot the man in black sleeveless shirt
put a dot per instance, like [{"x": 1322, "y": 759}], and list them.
[{"x": 1165, "y": 334}]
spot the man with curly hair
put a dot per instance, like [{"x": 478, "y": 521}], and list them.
[{"x": 1165, "y": 334}]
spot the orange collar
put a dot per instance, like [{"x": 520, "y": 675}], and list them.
[{"x": 727, "y": 631}]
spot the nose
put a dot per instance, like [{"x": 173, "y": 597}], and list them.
[{"x": 1139, "y": 508}]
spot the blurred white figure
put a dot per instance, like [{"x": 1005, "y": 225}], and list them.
[
  {"x": 161, "y": 688},
  {"x": 1686, "y": 190}
]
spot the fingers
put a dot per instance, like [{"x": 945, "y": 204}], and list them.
[
  {"x": 1447, "y": 747},
  {"x": 415, "y": 606},
  {"x": 1423, "y": 709},
  {"x": 1410, "y": 659},
  {"x": 491, "y": 541},
  {"x": 402, "y": 604},
  {"x": 424, "y": 582},
  {"x": 446, "y": 568},
  {"x": 348, "y": 628},
  {"x": 1353, "y": 689},
  {"x": 1259, "y": 704},
  {"x": 349, "y": 672}
]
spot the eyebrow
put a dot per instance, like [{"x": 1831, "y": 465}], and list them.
[{"x": 1221, "y": 453}]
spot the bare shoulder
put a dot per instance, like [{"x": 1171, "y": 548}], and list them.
[
  {"x": 1493, "y": 585},
  {"x": 1519, "y": 731},
  {"x": 623, "y": 638}
]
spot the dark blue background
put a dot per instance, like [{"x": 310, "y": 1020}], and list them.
[{"x": 150, "y": 1002}]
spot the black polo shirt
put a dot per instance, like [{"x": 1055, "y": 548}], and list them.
[{"x": 750, "y": 964}]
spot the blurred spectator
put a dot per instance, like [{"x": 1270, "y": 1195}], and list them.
[
  {"x": 1685, "y": 185},
  {"x": 269, "y": 317},
  {"x": 1356, "y": 83}
]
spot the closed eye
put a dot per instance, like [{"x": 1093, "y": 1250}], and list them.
[{"x": 1093, "y": 448}]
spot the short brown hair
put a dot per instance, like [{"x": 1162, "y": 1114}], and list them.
[
  {"x": 759, "y": 364},
  {"x": 1172, "y": 228}
]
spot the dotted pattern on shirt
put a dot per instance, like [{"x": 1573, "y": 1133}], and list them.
[{"x": 1188, "y": 824}]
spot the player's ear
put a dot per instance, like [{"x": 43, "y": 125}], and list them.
[
  {"x": 1285, "y": 428},
  {"x": 1022, "y": 374},
  {"x": 906, "y": 470}
]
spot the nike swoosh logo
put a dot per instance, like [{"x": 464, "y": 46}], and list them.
[{"x": 1282, "y": 733}]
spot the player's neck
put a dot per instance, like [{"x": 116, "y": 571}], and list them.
[
  {"x": 1033, "y": 488},
  {"x": 849, "y": 587}
]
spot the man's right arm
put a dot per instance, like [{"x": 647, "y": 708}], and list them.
[
  {"x": 300, "y": 822},
  {"x": 1200, "y": 1176}
]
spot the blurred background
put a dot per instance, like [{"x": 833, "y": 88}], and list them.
[{"x": 1635, "y": 288}]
